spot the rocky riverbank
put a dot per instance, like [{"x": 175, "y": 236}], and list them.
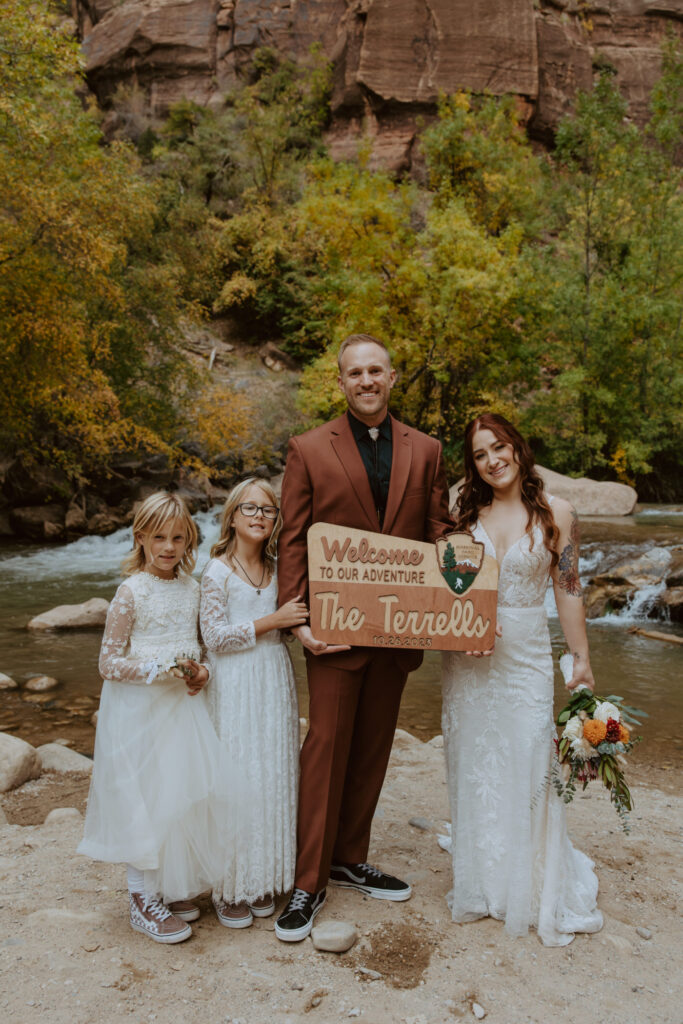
[{"x": 72, "y": 957}]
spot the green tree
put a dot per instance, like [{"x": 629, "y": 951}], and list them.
[
  {"x": 477, "y": 150},
  {"x": 87, "y": 323},
  {"x": 610, "y": 341}
]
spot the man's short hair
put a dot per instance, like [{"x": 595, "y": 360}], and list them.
[{"x": 359, "y": 339}]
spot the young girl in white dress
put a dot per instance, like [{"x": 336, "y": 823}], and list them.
[
  {"x": 252, "y": 699},
  {"x": 512, "y": 857},
  {"x": 156, "y": 798}
]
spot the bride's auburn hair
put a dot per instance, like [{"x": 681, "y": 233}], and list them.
[
  {"x": 154, "y": 512},
  {"x": 475, "y": 493},
  {"x": 225, "y": 545}
]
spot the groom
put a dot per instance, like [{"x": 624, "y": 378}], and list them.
[{"x": 368, "y": 471}]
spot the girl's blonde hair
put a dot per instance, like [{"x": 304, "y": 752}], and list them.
[
  {"x": 153, "y": 513},
  {"x": 225, "y": 545}
]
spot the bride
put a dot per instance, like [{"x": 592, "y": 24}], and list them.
[{"x": 512, "y": 857}]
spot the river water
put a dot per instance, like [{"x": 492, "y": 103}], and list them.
[{"x": 33, "y": 578}]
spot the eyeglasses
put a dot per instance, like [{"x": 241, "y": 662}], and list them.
[{"x": 248, "y": 508}]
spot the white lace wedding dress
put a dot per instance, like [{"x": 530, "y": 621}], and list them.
[
  {"x": 253, "y": 705},
  {"x": 162, "y": 789},
  {"x": 512, "y": 857}
]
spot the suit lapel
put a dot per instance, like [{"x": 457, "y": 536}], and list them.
[
  {"x": 346, "y": 449},
  {"x": 401, "y": 458}
]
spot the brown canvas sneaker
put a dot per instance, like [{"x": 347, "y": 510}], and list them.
[
  {"x": 263, "y": 907},
  {"x": 151, "y": 917},
  {"x": 232, "y": 915},
  {"x": 186, "y": 910}
]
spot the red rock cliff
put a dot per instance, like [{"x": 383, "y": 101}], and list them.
[{"x": 392, "y": 58}]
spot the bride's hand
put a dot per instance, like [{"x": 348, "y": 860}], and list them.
[
  {"x": 581, "y": 676},
  {"x": 486, "y": 654}
]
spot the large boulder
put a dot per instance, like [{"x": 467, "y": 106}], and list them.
[
  {"x": 19, "y": 762},
  {"x": 72, "y": 616},
  {"x": 589, "y": 497}
]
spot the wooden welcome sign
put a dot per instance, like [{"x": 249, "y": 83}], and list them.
[{"x": 372, "y": 590}]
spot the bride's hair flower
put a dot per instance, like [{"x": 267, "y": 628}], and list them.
[
  {"x": 595, "y": 731},
  {"x": 605, "y": 711}
]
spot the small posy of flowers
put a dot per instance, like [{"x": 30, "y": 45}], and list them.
[{"x": 593, "y": 745}]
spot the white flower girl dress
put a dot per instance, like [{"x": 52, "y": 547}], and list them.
[
  {"x": 162, "y": 792},
  {"x": 253, "y": 705}
]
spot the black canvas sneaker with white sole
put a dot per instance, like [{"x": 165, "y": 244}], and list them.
[
  {"x": 296, "y": 920},
  {"x": 371, "y": 881}
]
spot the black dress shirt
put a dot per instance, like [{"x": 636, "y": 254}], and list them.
[{"x": 376, "y": 456}]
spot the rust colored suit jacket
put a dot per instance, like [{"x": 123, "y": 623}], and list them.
[{"x": 326, "y": 482}]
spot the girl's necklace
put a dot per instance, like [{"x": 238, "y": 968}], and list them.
[{"x": 258, "y": 585}]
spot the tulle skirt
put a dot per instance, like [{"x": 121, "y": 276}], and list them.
[{"x": 164, "y": 795}]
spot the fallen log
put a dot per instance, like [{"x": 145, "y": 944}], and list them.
[{"x": 654, "y": 634}]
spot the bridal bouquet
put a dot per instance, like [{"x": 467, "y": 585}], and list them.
[{"x": 593, "y": 744}]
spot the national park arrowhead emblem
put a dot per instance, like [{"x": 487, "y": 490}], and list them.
[{"x": 460, "y": 559}]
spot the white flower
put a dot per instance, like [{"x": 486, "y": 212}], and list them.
[
  {"x": 573, "y": 730},
  {"x": 606, "y": 710},
  {"x": 582, "y": 750}
]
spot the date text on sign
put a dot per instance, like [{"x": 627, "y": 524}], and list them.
[{"x": 372, "y": 590}]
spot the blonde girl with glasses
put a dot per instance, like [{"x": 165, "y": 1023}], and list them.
[
  {"x": 156, "y": 798},
  {"x": 252, "y": 699}
]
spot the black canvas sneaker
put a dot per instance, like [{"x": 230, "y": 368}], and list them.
[
  {"x": 371, "y": 881},
  {"x": 296, "y": 920}
]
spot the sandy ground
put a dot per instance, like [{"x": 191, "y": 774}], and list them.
[{"x": 69, "y": 955}]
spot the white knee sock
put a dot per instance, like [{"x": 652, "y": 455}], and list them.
[{"x": 136, "y": 879}]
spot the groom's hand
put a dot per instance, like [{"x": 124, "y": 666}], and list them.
[{"x": 304, "y": 634}]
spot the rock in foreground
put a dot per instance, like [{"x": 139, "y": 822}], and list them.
[
  {"x": 19, "y": 762},
  {"x": 73, "y": 616},
  {"x": 55, "y": 757},
  {"x": 334, "y": 936}
]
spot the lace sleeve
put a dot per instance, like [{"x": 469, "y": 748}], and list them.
[
  {"x": 113, "y": 662},
  {"x": 218, "y": 633}
]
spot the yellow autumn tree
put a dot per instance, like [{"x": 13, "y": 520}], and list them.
[{"x": 87, "y": 358}]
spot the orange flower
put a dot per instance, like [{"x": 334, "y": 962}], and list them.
[
  {"x": 624, "y": 734},
  {"x": 594, "y": 731}
]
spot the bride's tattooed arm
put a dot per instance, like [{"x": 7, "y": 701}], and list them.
[
  {"x": 568, "y": 594},
  {"x": 568, "y": 566}
]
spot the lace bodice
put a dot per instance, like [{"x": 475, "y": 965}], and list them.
[
  {"x": 229, "y": 607},
  {"x": 150, "y": 622},
  {"x": 524, "y": 571}
]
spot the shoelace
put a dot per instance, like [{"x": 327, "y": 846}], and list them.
[
  {"x": 369, "y": 870},
  {"x": 152, "y": 905},
  {"x": 298, "y": 900}
]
